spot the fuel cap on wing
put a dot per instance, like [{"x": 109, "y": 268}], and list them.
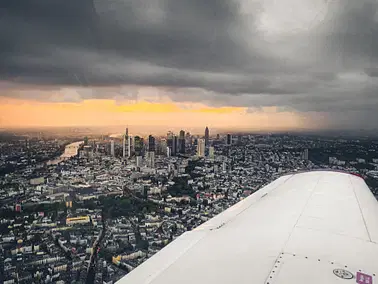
[{"x": 342, "y": 273}]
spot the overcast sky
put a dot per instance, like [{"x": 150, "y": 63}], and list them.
[{"x": 300, "y": 56}]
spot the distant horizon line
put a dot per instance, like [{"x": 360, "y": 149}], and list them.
[{"x": 195, "y": 130}]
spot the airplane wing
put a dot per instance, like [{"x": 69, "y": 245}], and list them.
[{"x": 313, "y": 227}]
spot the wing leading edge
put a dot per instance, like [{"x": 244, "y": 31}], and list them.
[{"x": 301, "y": 228}]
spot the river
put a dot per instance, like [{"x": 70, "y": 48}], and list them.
[{"x": 70, "y": 151}]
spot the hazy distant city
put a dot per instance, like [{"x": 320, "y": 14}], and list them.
[{"x": 89, "y": 208}]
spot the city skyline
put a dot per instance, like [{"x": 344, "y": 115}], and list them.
[
  {"x": 76, "y": 209},
  {"x": 256, "y": 65}
]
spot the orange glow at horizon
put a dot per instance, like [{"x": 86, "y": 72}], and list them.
[{"x": 104, "y": 112}]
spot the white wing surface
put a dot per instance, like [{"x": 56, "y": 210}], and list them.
[{"x": 313, "y": 227}]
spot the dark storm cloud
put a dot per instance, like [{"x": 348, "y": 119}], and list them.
[
  {"x": 219, "y": 52},
  {"x": 354, "y": 30},
  {"x": 64, "y": 42},
  {"x": 372, "y": 71},
  {"x": 193, "y": 34}
]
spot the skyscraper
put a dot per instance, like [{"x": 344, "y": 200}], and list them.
[
  {"x": 181, "y": 142},
  {"x": 189, "y": 139},
  {"x": 143, "y": 146},
  {"x": 129, "y": 146},
  {"x": 151, "y": 143},
  {"x": 151, "y": 152},
  {"x": 125, "y": 143},
  {"x": 124, "y": 147},
  {"x": 239, "y": 139},
  {"x": 151, "y": 159},
  {"x": 229, "y": 139},
  {"x": 138, "y": 145},
  {"x": 170, "y": 140},
  {"x": 169, "y": 151},
  {"x": 162, "y": 149},
  {"x": 201, "y": 148},
  {"x": 174, "y": 145},
  {"x": 206, "y": 136},
  {"x": 211, "y": 152},
  {"x": 112, "y": 152}
]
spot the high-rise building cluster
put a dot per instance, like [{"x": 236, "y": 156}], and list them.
[
  {"x": 204, "y": 147},
  {"x": 145, "y": 150},
  {"x": 178, "y": 144}
]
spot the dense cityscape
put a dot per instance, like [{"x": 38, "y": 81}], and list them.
[{"x": 89, "y": 209}]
